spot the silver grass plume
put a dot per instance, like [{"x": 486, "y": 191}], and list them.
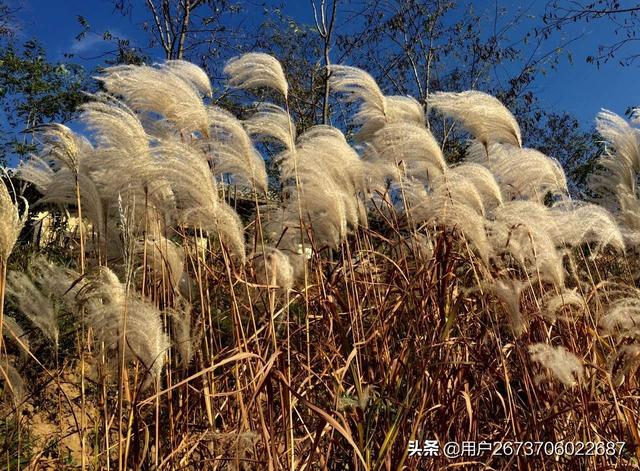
[
  {"x": 376, "y": 110},
  {"x": 453, "y": 203},
  {"x": 411, "y": 146},
  {"x": 624, "y": 363},
  {"x": 128, "y": 166},
  {"x": 621, "y": 161},
  {"x": 357, "y": 85},
  {"x": 123, "y": 146},
  {"x": 457, "y": 187},
  {"x": 423, "y": 245},
  {"x": 229, "y": 226},
  {"x": 232, "y": 151},
  {"x": 169, "y": 91},
  {"x": 615, "y": 181},
  {"x": 620, "y": 137},
  {"x": 14, "y": 384},
  {"x": 109, "y": 308},
  {"x": 560, "y": 363},
  {"x": 323, "y": 177},
  {"x": 116, "y": 129},
  {"x": 483, "y": 181},
  {"x": 323, "y": 207},
  {"x": 180, "y": 319},
  {"x": 60, "y": 282},
  {"x": 622, "y": 318},
  {"x": 483, "y": 115},
  {"x": 37, "y": 171},
  {"x": 59, "y": 187},
  {"x": 63, "y": 170},
  {"x": 628, "y": 214},
  {"x": 35, "y": 303},
  {"x": 398, "y": 109},
  {"x": 62, "y": 145},
  {"x": 164, "y": 258},
  {"x": 273, "y": 268},
  {"x": 11, "y": 222},
  {"x": 509, "y": 291},
  {"x": 554, "y": 303},
  {"x": 16, "y": 331},
  {"x": 325, "y": 149},
  {"x": 525, "y": 230},
  {"x": 197, "y": 202},
  {"x": 521, "y": 173},
  {"x": 256, "y": 70},
  {"x": 584, "y": 223},
  {"x": 536, "y": 228},
  {"x": 190, "y": 72},
  {"x": 271, "y": 123}
]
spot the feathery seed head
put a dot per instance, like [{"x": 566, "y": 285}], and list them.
[
  {"x": 560, "y": 363},
  {"x": 488, "y": 120},
  {"x": 255, "y": 70},
  {"x": 11, "y": 221}
]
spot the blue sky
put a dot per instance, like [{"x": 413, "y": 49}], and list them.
[{"x": 579, "y": 88}]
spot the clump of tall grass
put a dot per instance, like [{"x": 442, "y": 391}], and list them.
[{"x": 383, "y": 295}]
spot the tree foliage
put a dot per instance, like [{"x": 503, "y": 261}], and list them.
[{"x": 34, "y": 91}]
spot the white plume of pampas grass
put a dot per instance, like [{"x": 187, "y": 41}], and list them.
[
  {"x": 483, "y": 115},
  {"x": 256, "y": 70},
  {"x": 35, "y": 303},
  {"x": 412, "y": 147},
  {"x": 521, "y": 173},
  {"x": 190, "y": 72},
  {"x": 115, "y": 315},
  {"x": 11, "y": 221},
  {"x": 560, "y": 363},
  {"x": 231, "y": 150},
  {"x": 167, "y": 91},
  {"x": 376, "y": 110},
  {"x": 273, "y": 268},
  {"x": 271, "y": 123}
]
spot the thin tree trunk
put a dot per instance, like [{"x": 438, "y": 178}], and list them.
[
  {"x": 325, "y": 31},
  {"x": 184, "y": 28}
]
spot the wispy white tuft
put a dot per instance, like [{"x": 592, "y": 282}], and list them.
[
  {"x": 14, "y": 384},
  {"x": 525, "y": 231},
  {"x": 161, "y": 91},
  {"x": 180, "y": 319},
  {"x": 273, "y": 268},
  {"x": 560, "y": 363},
  {"x": 412, "y": 147},
  {"x": 508, "y": 291},
  {"x": 557, "y": 302},
  {"x": 256, "y": 70},
  {"x": 488, "y": 120},
  {"x": 271, "y": 123},
  {"x": 197, "y": 203},
  {"x": 582, "y": 223},
  {"x": 358, "y": 85},
  {"x": 459, "y": 210},
  {"x": 109, "y": 308},
  {"x": 622, "y": 318},
  {"x": 11, "y": 221},
  {"x": 521, "y": 173},
  {"x": 231, "y": 150},
  {"x": 376, "y": 110},
  {"x": 190, "y": 72},
  {"x": 483, "y": 181},
  {"x": 34, "y": 303}
]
